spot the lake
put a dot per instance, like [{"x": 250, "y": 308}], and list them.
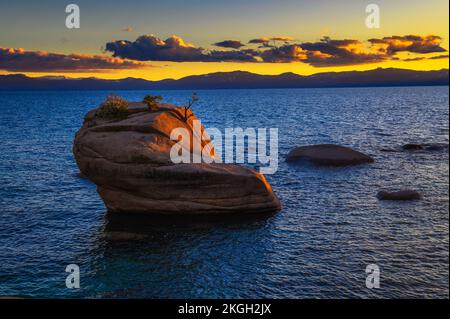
[{"x": 331, "y": 227}]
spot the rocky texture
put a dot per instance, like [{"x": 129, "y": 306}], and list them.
[
  {"x": 129, "y": 161},
  {"x": 406, "y": 194},
  {"x": 328, "y": 154}
]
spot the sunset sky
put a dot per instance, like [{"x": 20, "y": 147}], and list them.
[{"x": 172, "y": 39}]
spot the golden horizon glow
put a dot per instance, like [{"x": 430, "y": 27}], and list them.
[{"x": 177, "y": 70}]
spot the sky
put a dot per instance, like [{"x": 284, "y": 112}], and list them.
[{"x": 173, "y": 38}]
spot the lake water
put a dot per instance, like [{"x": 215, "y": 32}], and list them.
[{"x": 331, "y": 227}]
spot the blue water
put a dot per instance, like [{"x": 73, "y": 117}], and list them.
[{"x": 318, "y": 246}]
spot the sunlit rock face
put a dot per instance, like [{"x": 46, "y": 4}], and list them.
[{"x": 129, "y": 161}]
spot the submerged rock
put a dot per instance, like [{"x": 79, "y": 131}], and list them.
[
  {"x": 406, "y": 194},
  {"x": 328, "y": 154},
  {"x": 129, "y": 161},
  {"x": 412, "y": 147},
  {"x": 425, "y": 147}
]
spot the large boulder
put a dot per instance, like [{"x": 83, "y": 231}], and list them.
[
  {"x": 129, "y": 161},
  {"x": 328, "y": 154},
  {"x": 406, "y": 194}
]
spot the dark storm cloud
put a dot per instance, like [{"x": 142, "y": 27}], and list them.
[
  {"x": 322, "y": 53},
  {"x": 19, "y": 60},
  {"x": 236, "y": 55},
  {"x": 151, "y": 48},
  {"x": 232, "y": 44},
  {"x": 270, "y": 42}
]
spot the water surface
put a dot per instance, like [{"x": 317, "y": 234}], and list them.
[{"x": 318, "y": 246}]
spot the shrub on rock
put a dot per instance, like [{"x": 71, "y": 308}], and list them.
[{"x": 114, "y": 107}]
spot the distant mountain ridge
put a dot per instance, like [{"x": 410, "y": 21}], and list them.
[{"x": 235, "y": 80}]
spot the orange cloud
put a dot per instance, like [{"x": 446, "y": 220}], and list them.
[
  {"x": 408, "y": 43},
  {"x": 20, "y": 60},
  {"x": 284, "y": 39},
  {"x": 329, "y": 52}
]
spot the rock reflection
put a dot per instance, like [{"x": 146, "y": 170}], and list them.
[{"x": 123, "y": 227}]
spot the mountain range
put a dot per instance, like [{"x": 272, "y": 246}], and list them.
[{"x": 234, "y": 80}]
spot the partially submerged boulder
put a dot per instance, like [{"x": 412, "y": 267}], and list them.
[
  {"x": 425, "y": 147},
  {"x": 415, "y": 147},
  {"x": 412, "y": 147},
  {"x": 406, "y": 194},
  {"x": 129, "y": 161},
  {"x": 328, "y": 154}
]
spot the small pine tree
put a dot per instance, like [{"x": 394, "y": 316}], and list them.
[
  {"x": 152, "y": 102},
  {"x": 194, "y": 98}
]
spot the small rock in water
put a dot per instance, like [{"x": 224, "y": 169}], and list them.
[
  {"x": 406, "y": 194},
  {"x": 425, "y": 147},
  {"x": 436, "y": 147},
  {"x": 328, "y": 154},
  {"x": 412, "y": 147}
]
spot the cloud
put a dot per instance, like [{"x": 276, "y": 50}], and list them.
[
  {"x": 259, "y": 40},
  {"x": 233, "y": 44},
  {"x": 128, "y": 29},
  {"x": 285, "y": 54},
  {"x": 284, "y": 39},
  {"x": 322, "y": 53},
  {"x": 152, "y": 48},
  {"x": 443, "y": 56},
  {"x": 236, "y": 55},
  {"x": 408, "y": 43},
  {"x": 329, "y": 52},
  {"x": 264, "y": 41},
  {"x": 20, "y": 60},
  {"x": 420, "y": 58},
  {"x": 326, "y": 52}
]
